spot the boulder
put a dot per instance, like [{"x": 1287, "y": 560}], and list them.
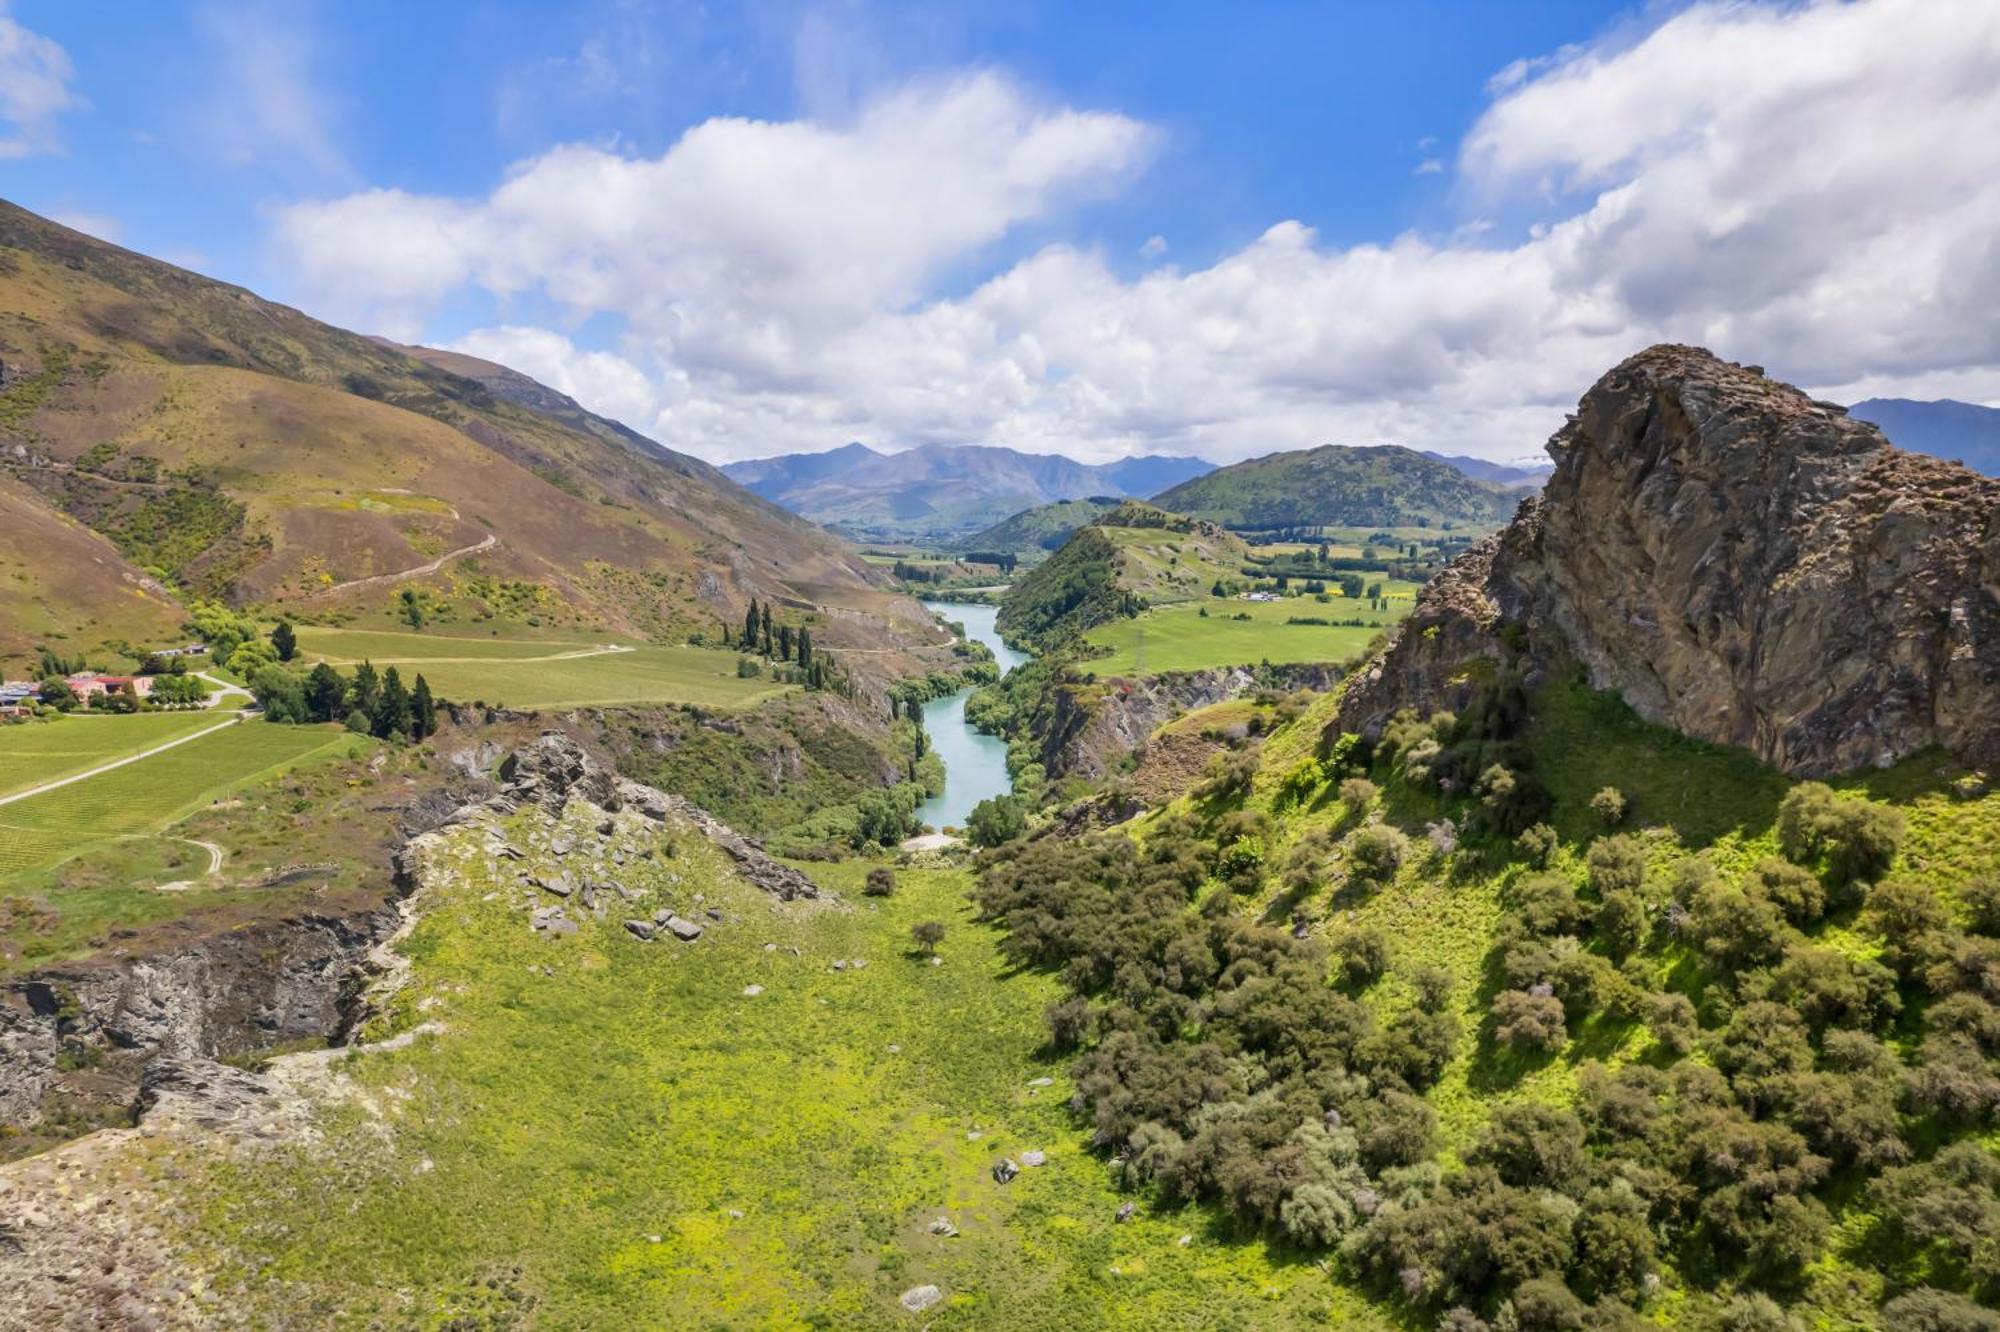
[
  {"x": 919, "y": 1298},
  {"x": 1033, "y": 1158},
  {"x": 1126, "y": 1211},
  {"x": 640, "y": 929},
  {"x": 1004, "y": 1171},
  {"x": 684, "y": 930},
  {"x": 1736, "y": 561},
  {"x": 553, "y": 768}
]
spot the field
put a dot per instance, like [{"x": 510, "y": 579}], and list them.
[
  {"x": 48, "y": 751},
  {"x": 1179, "y": 638},
  {"x": 144, "y": 798},
  {"x": 532, "y": 673},
  {"x": 611, "y": 1134}
]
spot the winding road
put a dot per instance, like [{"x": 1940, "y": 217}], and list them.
[{"x": 422, "y": 569}]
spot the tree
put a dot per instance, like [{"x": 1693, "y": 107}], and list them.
[
  {"x": 281, "y": 694},
  {"x": 1609, "y": 805},
  {"x": 366, "y": 691},
  {"x": 55, "y": 691},
  {"x": 391, "y": 718},
  {"x": 250, "y": 657},
  {"x": 928, "y": 934},
  {"x": 997, "y": 819},
  {"x": 1376, "y": 852},
  {"x": 412, "y": 608},
  {"x": 284, "y": 641},
  {"x": 750, "y": 623},
  {"x": 326, "y": 694},
  {"x": 423, "y": 710},
  {"x": 805, "y": 648},
  {"x": 881, "y": 882}
]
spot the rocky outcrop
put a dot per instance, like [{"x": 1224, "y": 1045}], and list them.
[
  {"x": 1091, "y": 729},
  {"x": 1737, "y": 561},
  {"x": 556, "y": 768},
  {"x": 235, "y": 993}
]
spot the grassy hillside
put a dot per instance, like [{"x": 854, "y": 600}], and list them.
[
  {"x": 1035, "y": 531},
  {"x": 229, "y": 447},
  {"x": 718, "y": 1158},
  {"x": 1487, "y": 1039},
  {"x": 1128, "y": 558},
  {"x": 1334, "y": 485}
]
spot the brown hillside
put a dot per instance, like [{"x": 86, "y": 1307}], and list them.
[{"x": 243, "y": 450}]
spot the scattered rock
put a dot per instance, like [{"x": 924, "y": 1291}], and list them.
[
  {"x": 1184, "y": 1241},
  {"x": 859, "y": 963},
  {"x": 1126, "y": 1211},
  {"x": 1004, "y": 1171},
  {"x": 640, "y": 929},
  {"x": 943, "y": 1226},
  {"x": 919, "y": 1298},
  {"x": 684, "y": 930},
  {"x": 735, "y": 1214},
  {"x": 840, "y": 964},
  {"x": 1041, "y": 1082},
  {"x": 559, "y": 884},
  {"x": 752, "y": 991},
  {"x": 1033, "y": 1158}
]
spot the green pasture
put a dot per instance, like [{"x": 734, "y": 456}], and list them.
[
  {"x": 1179, "y": 638},
  {"x": 529, "y": 673},
  {"x": 144, "y": 798},
  {"x": 45, "y": 751}
]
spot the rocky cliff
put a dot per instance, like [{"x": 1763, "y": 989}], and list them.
[{"x": 1739, "y": 562}]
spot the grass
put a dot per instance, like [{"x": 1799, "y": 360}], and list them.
[
  {"x": 1179, "y": 638},
  {"x": 525, "y": 673},
  {"x": 34, "y": 753},
  {"x": 610, "y": 1134},
  {"x": 147, "y": 797}
]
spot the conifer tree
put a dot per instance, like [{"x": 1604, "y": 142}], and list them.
[
  {"x": 424, "y": 708},
  {"x": 750, "y": 625},
  {"x": 392, "y": 707},
  {"x": 365, "y": 692}
]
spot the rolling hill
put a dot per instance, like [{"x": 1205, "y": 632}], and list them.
[
  {"x": 1961, "y": 432},
  {"x": 1042, "y": 528},
  {"x": 943, "y": 491},
  {"x": 222, "y": 446},
  {"x": 1382, "y": 485},
  {"x": 1128, "y": 558}
]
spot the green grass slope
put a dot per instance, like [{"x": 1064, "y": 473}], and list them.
[
  {"x": 1335, "y": 485},
  {"x": 1737, "y": 1068},
  {"x": 1035, "y": 531},
  {"x": 613, "y": 1134}
]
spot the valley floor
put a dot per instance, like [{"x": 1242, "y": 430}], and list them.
[{"x": 607, "y": 1133}]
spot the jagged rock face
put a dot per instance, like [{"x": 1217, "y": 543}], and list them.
[{"x": 1736, "y": 561}]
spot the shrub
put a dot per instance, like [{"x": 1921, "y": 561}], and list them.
[
  {"x": 1927, "y": 1310},
  {"x": 1529, "y": 1021},
  {"x": 1609, "y": 805},
  {"x": 1357, "y": 793},
  {"x": 1532, "y": 1145},
  {"x": 1672, "y": 1022},
  {"x": 997, "y": 819},
  {"x": 1546, "y": 904},
  {"x": 1794, "y": 890},
  {"x": 1617, "y": 864},
  {"x": 1537, "y": 843},
  {"x": 1376, "y": 852},
  {"x": 1981, "y": 896},
  {"x": 1858, "y": 838},
  {"x": 1621, "y": 924},
  {"x": 881, "y": 882},
  {"x": 927, "y": 935},
  {"x": 1360, "y": 957}
]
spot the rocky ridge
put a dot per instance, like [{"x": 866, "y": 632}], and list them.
[{"x": 1738, "y": 561}]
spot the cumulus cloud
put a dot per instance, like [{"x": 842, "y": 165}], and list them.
[
  {"x": 1809, "y": 187},
  {"x": 603, "y": 381},
  {"x": 35, "y": 77}
]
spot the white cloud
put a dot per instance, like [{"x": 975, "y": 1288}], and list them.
[
  {"x": 100, "y": 225},
  {"x": 1809, "y": 187},
  {"x": 261, "y": 101},
  {"x": 605, "y": 382},
  {"x": 1430, "y": 166},
  {"x": 1154, "y": 247},
  {"x": 35, "y": 77}
]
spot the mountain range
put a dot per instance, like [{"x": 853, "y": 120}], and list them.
[
  {"x": 166, "y": 438},
  {"x": 944, "y": 491},
  {"x": 1961, "y": 432}
]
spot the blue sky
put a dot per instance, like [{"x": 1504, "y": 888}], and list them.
[{"x": 1100, "y": 228}]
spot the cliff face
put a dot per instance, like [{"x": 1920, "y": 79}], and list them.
[{"x": 1736, "y": 561}]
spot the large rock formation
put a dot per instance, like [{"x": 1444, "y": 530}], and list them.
[{"x": 1739, "y": 562}]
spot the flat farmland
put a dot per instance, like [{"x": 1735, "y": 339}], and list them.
[
  {"x": 1180, "y": 638},
  {"x": 543, "y": 673},
  {"x": 150, "y": 795},
  {"x": 38, "y": 752}
]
